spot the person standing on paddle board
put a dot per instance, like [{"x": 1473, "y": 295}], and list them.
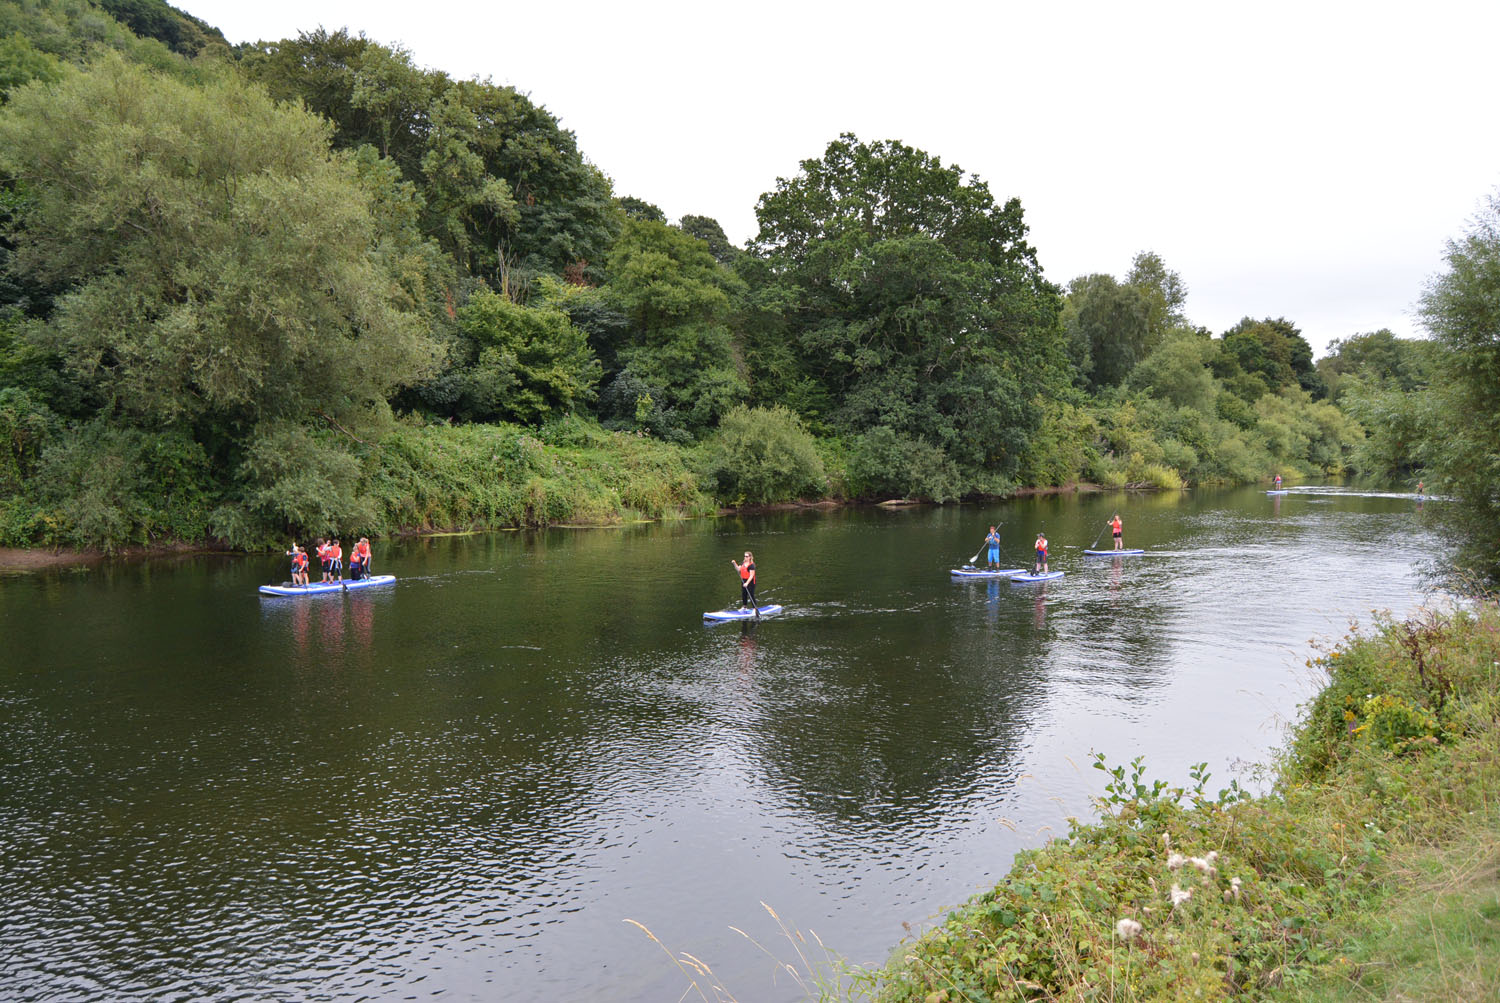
[
  {"x": 1041, "y": 554},
  {"x": 1278, "y": 482},
  {"x": 336, "y": 561},
  {"x": 993, "y": 542},
  {"x": 1419, "y": 489},
  {"x": 299, "y": 564},
  {"x": 747, "y": 579},
  {"x": 321, "y": 549},
  {"x": 1118, "y": 528}
]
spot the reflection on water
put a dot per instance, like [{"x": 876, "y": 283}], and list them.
[{"x": 464, "y": 783}]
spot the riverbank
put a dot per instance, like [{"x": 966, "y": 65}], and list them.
[
  {"x": 1369, "y": 871},
  {"x": 606, "y": 515}
]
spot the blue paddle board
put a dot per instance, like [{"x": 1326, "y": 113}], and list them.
[
  {"x": 733, "y": 613},
  {"x": 1029, "y": 577},
  {"x": 973, "y": 572},
  {"x": 1281, "y": 492},
  {"x": 1112, "y": 553},
  {"x": 320, "y": 588}
]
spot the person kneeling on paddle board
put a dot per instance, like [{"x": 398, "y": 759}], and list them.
[
  {"x": 1119, "y": 529},
  {"x": 747, "y": 579},
  {"x": 994, "y": 544},
  {"x": 1041, "y": 554}
]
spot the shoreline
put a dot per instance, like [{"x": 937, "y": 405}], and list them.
[{"x": 15, "y": 560}]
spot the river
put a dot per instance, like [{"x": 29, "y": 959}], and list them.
[{"x": 463, "y": 785}]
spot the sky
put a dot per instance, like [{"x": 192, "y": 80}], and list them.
[{"x": 1302, "y": 160}]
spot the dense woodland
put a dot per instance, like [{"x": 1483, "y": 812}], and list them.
[{"x": 307, "y": 285}]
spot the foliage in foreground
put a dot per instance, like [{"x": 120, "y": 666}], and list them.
[{"x": 1177, "y": 894}]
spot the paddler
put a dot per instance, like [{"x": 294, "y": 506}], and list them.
[
  {"x": 299, "y": 564},
  {"x": 322, "y": 552},
  {"x": 359, "y": 560},
  {"x": 1118, "y": 528},
  {"x": 993, "y": 541},
  {"x": 1041, "y": 554},
  {"x": 336, "y": 560},
  {"x": 747, "y": 578},
  {"x": 1278, "y": 482}
]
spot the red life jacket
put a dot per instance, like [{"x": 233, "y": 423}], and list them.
[{"x": 747, "y": 570}]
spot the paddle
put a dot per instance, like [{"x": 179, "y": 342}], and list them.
[{"x": 1095, "y": 544}]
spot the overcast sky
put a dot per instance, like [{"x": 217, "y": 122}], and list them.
[{"x": 1302, "y": 160}]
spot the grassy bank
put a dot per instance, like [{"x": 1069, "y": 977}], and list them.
[{"x": 1369, "y": 872}]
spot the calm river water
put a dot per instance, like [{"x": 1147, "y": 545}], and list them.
[{"x": 460, "y": 787}]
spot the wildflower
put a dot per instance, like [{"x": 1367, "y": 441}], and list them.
[
  {"x": 1166, "y": 839},
  {"x": 1234, "y": 888},
  {"x": 1175, "y": 862},
  {"x": 1205, "y": 865},
  {"x": 1128, "y": 929},
  {"x": 1180, "y": 895}
]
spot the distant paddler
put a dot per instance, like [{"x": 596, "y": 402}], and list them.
[
  {"x": 1041, "y": 555},
  {"x": 1118, "y": 528}
]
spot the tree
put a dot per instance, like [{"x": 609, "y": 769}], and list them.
[
  {"x": 887, "y": 288},
  {"x": 1177, "y": 371},
  {"x": 1166, "y": 294},
  {"x": 708, "y": 230},
  {"x": 1403, "y": 363},
  {"x": 216, "y": 259},
  {"x": 636, "y": 208},
  {"x": 535, "y": 363},
  {"x": 1274, "y": 351},
  {"x": 1461, "y": 309},
  {"x": 510, "y": 193},
  {"x": 1108, "y": 328},
  {"x": 677, "y": 299}
]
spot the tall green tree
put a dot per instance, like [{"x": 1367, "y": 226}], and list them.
[
  {"x": 1461, "y": 309},
  {"x": 216, "y": 259},
  {"x": 1108, "y": 328},
  {"x": 677, "y": 300},
  {"x": 1166, "y": 293},
  {"x": 508, "y": 191},
  {"x": 889, "y": 289}
]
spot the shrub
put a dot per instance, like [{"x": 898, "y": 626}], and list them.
[
  {"x": 764, "y": 455},
  {"x": 110, "y": 487},
  {"x": 883, "y": 463}
]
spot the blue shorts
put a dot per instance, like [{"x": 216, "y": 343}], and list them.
[{"x": 994, "y": 554}]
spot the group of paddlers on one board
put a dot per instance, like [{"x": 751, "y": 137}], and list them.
[
  {"x": 331, "y": 559},
  {"x": 992, "y": 541}
]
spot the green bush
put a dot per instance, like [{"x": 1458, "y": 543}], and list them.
[
  {"x": 762, "y": 455},
  {"x": 110, "y": 487},
  {"x": 885, "y": 464}
]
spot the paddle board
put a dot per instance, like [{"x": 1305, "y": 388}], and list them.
[
  {"x": 1281, "y": 492},
  {"x": 1112, "y": 553},
  {"x": 973, "y": 572},
  {"x": 320, "y": 588},
  {"x": 1029, "y": 577},
  {"x": 721, "y": 615}
]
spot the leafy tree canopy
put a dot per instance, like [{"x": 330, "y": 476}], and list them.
[
  {"x": 505, "y": 185},
  {"x": 708, "y": 230},
  {"x": 1461, "y": 308},
  {"x": 891, "y": 289},
  {"x": 216, "y": 260}
]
